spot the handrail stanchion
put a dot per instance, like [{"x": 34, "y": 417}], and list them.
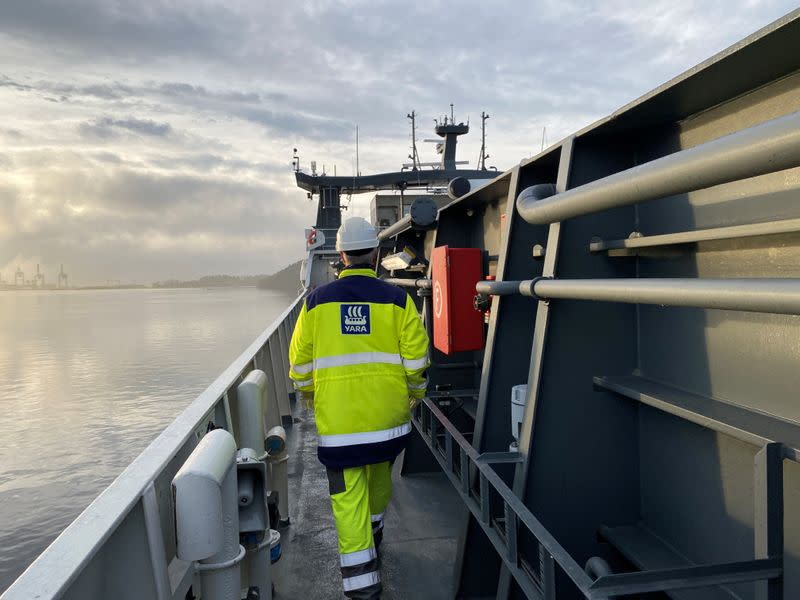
[
  {"x": 283, "y": 336},
  {"x": 279, "y": 380}
]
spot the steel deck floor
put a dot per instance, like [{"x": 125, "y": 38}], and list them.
[{"x": 420, "y": 532}]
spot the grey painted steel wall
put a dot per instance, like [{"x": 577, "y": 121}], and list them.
[
  {"x": 645, "y": 428},
  {"x": 123, "y": 545}
]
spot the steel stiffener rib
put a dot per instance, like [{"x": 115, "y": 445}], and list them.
[
  {"x": 751, "y": 426},
  {"x": 685, "y": 577}
]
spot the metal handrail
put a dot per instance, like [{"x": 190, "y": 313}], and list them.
[
  {"x": 764, "y": 295},
  {"x": 422, "y": 283},
  {"x": 552, "y": 553},
  {"x": 514, "y": 509},
  {"x": 765, "y": 148},
  {"x": 51, "y": 574}
]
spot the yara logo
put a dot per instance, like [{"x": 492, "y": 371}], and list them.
[{"x": 355, "y": 318}]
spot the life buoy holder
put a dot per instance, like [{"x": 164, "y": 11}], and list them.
[{"x": 312, "y": 237}]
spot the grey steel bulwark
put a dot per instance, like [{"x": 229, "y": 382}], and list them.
[
  {"x": 661, "y": 434},
  {"x": 123, "y": 545}
]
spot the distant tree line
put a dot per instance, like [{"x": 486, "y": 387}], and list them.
[
  {"x": 212, "y": 281},
  {"x": 286, "y": 280}
]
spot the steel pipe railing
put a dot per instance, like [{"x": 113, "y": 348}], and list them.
[
  {"x": 765, "y": 148},
  {"x": 778, "y": 296},
  {"x": 396, "y": 228},
  {"x": 498, "y": 288},
  {"x": 423, "y": 283},
  {"x": 421, "y": 215}
]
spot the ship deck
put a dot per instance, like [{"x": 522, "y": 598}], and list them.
[{"x": 420, "y": 532}]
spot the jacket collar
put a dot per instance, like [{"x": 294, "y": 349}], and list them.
[{"x": 364, "y": 270}]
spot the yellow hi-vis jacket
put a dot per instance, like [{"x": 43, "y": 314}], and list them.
[{"x": 360, "y": 346}]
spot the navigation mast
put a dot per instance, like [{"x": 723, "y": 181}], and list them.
[
  {"x": 414, "y": 156},
  {"x": 483, "y": 156}
]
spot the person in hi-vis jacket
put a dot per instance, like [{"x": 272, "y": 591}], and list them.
[{"x": 360, "y": 350}]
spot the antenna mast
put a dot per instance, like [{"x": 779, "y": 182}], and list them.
[
  {"x": 482, "y": 158},
  {"x": 358, "y": 171},
  {"x": 414, "y": 156}
]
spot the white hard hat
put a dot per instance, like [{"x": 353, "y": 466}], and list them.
[{"x": 356, "y": 234}]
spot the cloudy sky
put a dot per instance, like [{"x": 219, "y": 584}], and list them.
[{"x": 152, "y": 139}]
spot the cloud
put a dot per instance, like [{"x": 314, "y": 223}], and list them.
[
  {"x": 108, "y": 127},
  {"x": 138, "y": 30},
  {"x": 7, "y": 82},
  {"x": 155, "y": 138},
  {"x": 143, "y": 226}
]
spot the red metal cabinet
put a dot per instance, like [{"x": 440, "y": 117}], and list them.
[{"x": 457, "y": 326}]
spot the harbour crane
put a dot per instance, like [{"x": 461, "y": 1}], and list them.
[
  {"x": 38, "y": 279},
  {"x": 62, "y": 278}
]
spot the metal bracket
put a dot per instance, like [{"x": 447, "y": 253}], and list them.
[
  {"x": 199, "y": 567},
  {"x": 499, "y": 458},
  {"x": 530, "y": 287},
  {"x": 436, "y": 394}
]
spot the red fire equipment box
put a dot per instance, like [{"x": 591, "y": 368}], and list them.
[{"x": 457, "y": 326}]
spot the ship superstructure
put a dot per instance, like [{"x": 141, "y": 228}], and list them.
[{"x": 400, "y": 189}]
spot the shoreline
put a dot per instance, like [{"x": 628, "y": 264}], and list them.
[{"x": 140, "y": 287}]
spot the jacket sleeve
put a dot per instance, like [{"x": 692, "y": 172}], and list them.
[
  {"x": 301, "y": 352},
  {"x": 414, "y": 350}
]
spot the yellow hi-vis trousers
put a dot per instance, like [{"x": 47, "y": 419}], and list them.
[{"x": 359, "y": 497}]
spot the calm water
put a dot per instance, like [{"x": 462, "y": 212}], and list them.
[{"x": 88, "y": 379}]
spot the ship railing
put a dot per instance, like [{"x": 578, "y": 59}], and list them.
[
  {"x": 123, "y": 545},
  {"x": 509, "y": 524},
  {"x": 764, "y": 148}
]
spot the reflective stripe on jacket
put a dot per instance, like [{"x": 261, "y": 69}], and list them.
[{"x": 360, "y": 346}]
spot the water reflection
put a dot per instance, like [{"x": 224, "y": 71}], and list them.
[{"x": 88, "y": 379}]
